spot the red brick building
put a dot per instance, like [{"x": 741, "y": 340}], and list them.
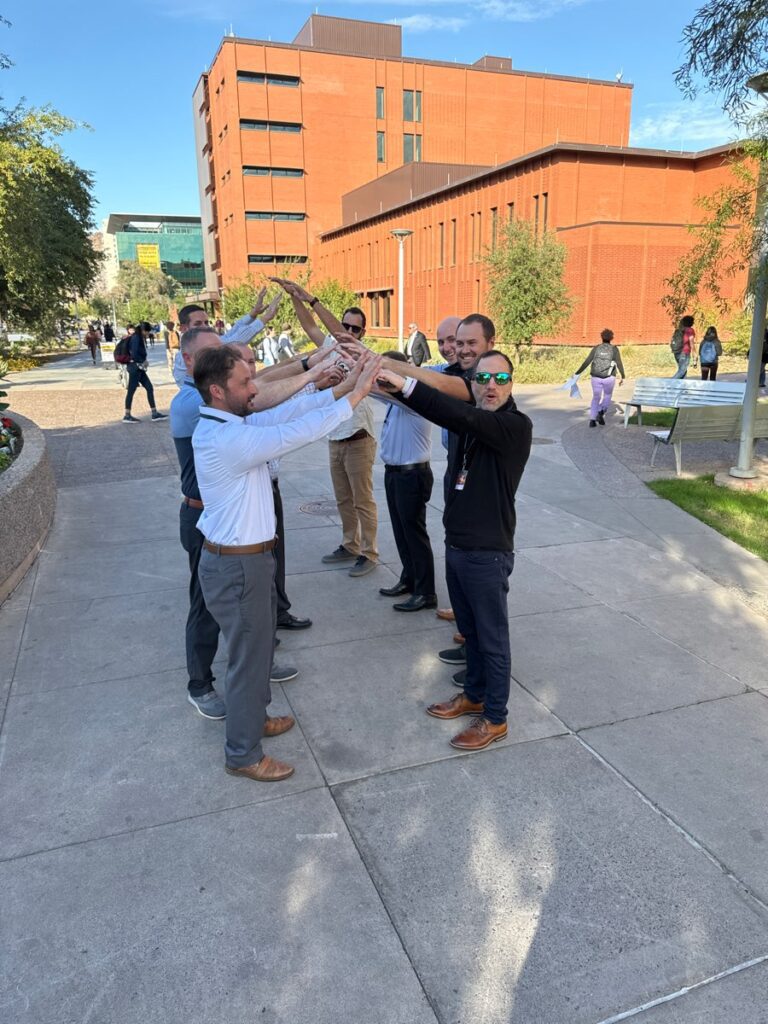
[{"x": 315, "y": 149}]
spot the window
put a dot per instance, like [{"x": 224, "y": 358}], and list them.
[
  {"x": 385, "y": 309},
  {"x": 494, "y": 226},
  {"x": 472, "y": 247},
  {"x": 262, "y": 258},
  {"x": 381, "y": 150},
  {"x": 441, "y": 244},
  {"x": 535, "y": 215},
  {"x": 510, "y": 211},
  {"x": 272, "y": 126},
  {"x": 453, "y": 242},
  {"x": 479, "y": 249},
  {"x": 411, "y": 105},
  {"x": 380, "y": 101},
  {"x": 545, "y": 197},
  {"x": 375, "y": 310},
  {"x": 272, "y": 215},
  {"x": 417, "y": 152},
  {"x": 407, "y": 149},
  {"x": 260, "y": 78},
  {"x": 276, "y": 172}
]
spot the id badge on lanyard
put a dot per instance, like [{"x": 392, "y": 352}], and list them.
[{"x": 461, "y": 477}]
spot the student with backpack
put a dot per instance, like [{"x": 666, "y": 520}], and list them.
[
  {"x": 132, "y": 353},
  {"x": 604, "y": 360},
  {"x": 710, "y": 351},
  {"x": 683, "y": 347}
]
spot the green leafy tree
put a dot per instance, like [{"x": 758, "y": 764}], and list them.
[
  {"x": 145, "y": 294},
  {"x": 46, "y": 212},
  {"x": 527, "y": 295}
]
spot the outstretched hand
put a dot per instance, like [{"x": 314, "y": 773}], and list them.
[
  {"x": 271, "y": 311},
  {"x": 292, "y": 288},
  {"x": 388, "y": 381},
  {"x": 259, "y": 305}
]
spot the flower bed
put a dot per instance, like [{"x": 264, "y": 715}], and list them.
[{"x": 11, "y": 441}]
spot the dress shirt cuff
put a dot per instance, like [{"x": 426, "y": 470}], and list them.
[{"x": 410, "y": 384}]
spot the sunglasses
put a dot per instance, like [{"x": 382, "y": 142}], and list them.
[
  {"x": 352, "y": 328},
  {"x": 483, "y": 377}
]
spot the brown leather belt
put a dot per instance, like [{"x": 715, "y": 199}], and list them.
[
  {"x": 192, "y": 502},
  {"x": 357, "y": 436},
  {"x": 242, "y": 549}
]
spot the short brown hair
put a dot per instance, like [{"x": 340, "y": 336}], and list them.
[
  {"x": 606, "y": 335},
  {"x": 495, "y": 352},
  {"x": 189, "y": 337},
  {"x": 214, "y": 366}
]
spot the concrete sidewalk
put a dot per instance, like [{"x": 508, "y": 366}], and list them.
[{"x": 608, "y": 855}]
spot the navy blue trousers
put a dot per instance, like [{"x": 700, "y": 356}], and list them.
[{"x": 478, "y": 584}]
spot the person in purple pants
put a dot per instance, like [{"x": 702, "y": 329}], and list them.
[{"x": 605, "y": 361}]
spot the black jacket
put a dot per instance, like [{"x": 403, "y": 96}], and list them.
[
  {"x": 495, "y": 446},
  {"x": 420, "y": 349},
  {"x": 137, "y": 348}
]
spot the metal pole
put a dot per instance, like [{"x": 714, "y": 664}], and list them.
[
  {"x": 400, "y": 289},
  {"x": 744, "y": 469}
]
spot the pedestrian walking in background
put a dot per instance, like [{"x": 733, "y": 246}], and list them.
[
  {"x": 93, "y": 341},
  {"x": 604, "y": 361},
  {"x": 137, "y": 372},
  {"x": 109, "y": 333},
  {"x": 172, "y": 343},
  {"x": 285, "y": 350},
  {"x": 710, "y": 351},
  {"x": 683, "y": 347}
]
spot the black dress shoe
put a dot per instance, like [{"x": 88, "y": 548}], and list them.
[
  {"x": 291, "y": 622},
  {"x": 398, "y": 589},
  {"x": 416, "y": 603}
]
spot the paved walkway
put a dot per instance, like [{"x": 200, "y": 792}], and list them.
[{"x": 606, "y": 857}]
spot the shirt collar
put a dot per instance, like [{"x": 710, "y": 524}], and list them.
[{"x": 220, "y": 414}]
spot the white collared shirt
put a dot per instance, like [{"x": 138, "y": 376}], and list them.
[{"x": 231, "y": 455}]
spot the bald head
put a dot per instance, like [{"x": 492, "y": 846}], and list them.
[
  {"x": 248, "y": 355},
  {"x": 446, "y": 338}
]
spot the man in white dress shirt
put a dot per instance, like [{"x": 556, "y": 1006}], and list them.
[{"x": 232, "y": 447}]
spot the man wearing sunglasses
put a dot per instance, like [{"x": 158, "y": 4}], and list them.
[
  {"x": 494, "y": 442},
  {"x": 351, "y": 446}
]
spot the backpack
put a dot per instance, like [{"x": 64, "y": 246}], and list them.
[
  {"x": 677, "y": 341},
  {"x": 122, "y": 350},
  {"x": 708, "y": 352},
  {"x": 603, "y": 361}
]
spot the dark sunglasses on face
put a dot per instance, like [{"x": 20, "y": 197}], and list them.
[
  {"x": 483, "y": 377},
  {"x": 352, "y": 328}
]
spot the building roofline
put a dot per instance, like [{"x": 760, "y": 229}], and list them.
[
  {"x": 555, "y": 149},
  {"x": 422, "y": 60},
  {"x": 166, "y": 218}
]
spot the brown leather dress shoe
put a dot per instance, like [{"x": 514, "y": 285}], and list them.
[
  {"x": 275, "y": 726},
  {"x": 446, "y": 614},
  {"x": 458, "y": 638},
  {"x": 479, "y": 734},
  {"x": 455, "y": 707},
  {"x": 266, "y": 770}
]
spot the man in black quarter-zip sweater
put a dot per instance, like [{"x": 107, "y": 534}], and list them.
[{"x": 479, "y": 519}]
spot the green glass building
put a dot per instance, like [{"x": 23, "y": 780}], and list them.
[{"x": 171, "y": 244}]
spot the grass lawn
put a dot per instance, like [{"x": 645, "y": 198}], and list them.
[
  {"x": 663, "y": 418},
  {"x": 740, "y": 515}
]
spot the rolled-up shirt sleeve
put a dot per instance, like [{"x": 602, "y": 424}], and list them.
[{"x": 243, "y": 330}]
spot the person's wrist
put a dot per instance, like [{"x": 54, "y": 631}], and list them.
[
  {"x": 305, "y": 363},
  {"x": 313, "y": 302}
]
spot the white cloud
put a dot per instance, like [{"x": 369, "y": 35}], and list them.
[
  {"x": 429, "y": 23},
  {"x": 682, "y": 125},
  {"x": 524, "y": 10}
]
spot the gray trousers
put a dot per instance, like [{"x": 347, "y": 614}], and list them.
[{"x": 239, "y": 592}]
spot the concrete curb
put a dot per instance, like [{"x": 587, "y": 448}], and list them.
[{"x": 28, "y": 501}]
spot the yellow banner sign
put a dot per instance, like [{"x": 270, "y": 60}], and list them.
[{"x": 148, "y": 256}]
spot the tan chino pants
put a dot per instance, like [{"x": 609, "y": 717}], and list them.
[{"x": 352, "y": 475}]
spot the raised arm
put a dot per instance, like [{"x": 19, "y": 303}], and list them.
[{"x": 456, "y": 387}]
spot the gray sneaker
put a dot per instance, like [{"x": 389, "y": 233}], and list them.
[
  {"x": 209, "y": 705},
  {"x": 282, "y": 674},
  {"x": 130, "y": 419},
  {"x": 362, "y": 566},
  {"x": 339, "y": 555}
]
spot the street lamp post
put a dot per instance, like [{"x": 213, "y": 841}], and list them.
[
  {"x": 744, "y": 468},
  {"x": 401, "y": 234}
]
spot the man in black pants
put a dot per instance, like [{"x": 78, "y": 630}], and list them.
[
  {"x": 137, "y": 375},
  {"x": 485, "y": 471}
]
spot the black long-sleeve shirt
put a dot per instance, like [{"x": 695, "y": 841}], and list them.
[{"x": 495, "y": 447}]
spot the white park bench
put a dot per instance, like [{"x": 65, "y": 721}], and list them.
[
  {"x": 706, "y": 423},
  {"x": 667, "y": 393}
]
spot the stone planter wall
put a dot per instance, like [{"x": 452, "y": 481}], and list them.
[{"x": 27, "y": 504}]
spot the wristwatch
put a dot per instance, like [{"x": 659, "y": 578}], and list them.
[
  {"x": 305, "y": 363},
  {"x": 313, "y": 302}
]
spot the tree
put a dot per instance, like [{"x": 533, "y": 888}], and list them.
[
  {"x": 145, "y": 294},
  {"x": 527, "y": 295},
  {"x": 46, "y": 212}
]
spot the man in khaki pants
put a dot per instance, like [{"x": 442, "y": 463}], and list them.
[{"x": 351, "y": 446}]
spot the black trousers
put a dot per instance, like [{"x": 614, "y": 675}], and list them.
[
  {"x": 136, "y": 377},
  {"x": 202, "y": 633},
  {"x": 478, "y": 584},
  {"x": 408, "y": 492},
  {"x": 283, "y": 604}
]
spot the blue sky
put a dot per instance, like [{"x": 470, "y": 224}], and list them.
[{"x": 129, "y": 69}]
